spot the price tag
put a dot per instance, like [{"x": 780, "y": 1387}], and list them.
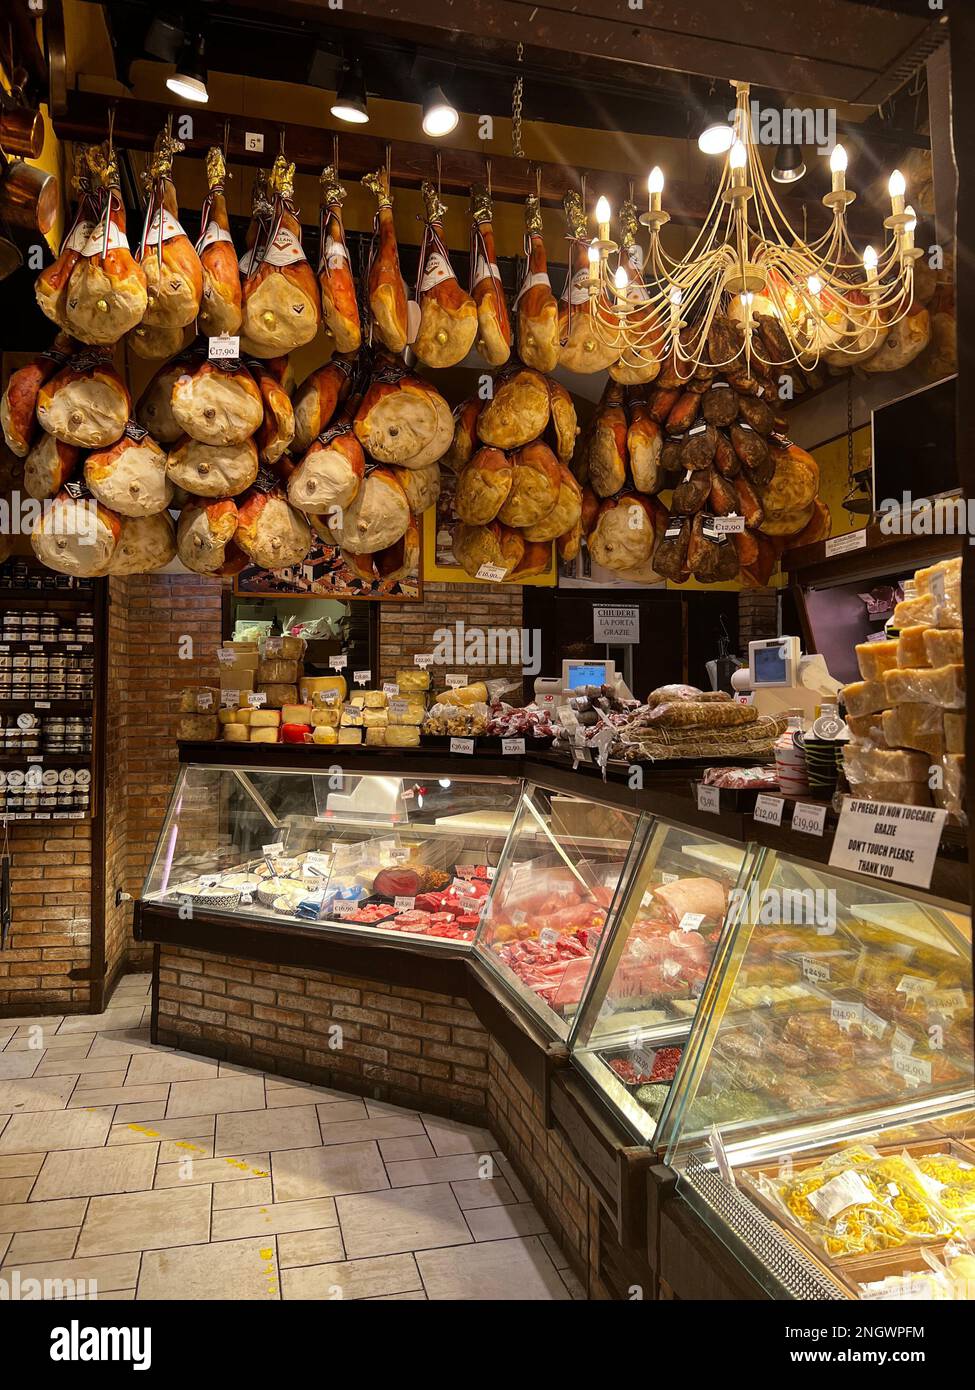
[
  {"x": 273, "y": 646},
  {"x": 423, "y": 660},
  {"x": 362, "y": 677},
  {"x": 42, "y": 704},
  {"x": 768, "y": 809},
  {"x": 256, "y": 698},
  {"x": 254, "y": 141},
  {"x": 494, "y": 574},
  {"x": 209, "y": 880},
  {"x": 512, "y": 746},
  {"x": 548, "y": 936},
  {"x": 473, "y": 905},
  {"x": 35, "y": 758},
  {"x": 225, "y": 347},
  {"x": 946, "y": 1002},
  {"x": 721, "y": 1159},
  {"x": 328, "y": 697},
  {"x": 872, "y": 1023},
  {"x": 390, "y": 688},
  {"x": 455, "y": 682},
  {"x": 809, "y": 819},
  {"x": 888, "y": 840},
  {"x": 226, "y": 656},
  {"x": 462, "y": 745},
  {"x": 404, "y": 904},
  {"x": 841, "y": 545},
  {"x": 691, "y": 921},
  {"x": 901, "y": 1043},
  {"x": 815, "y": 971},
  {"x": 273, "y": 850},
  {"x": 204, "y": 700},
  {"x": 708, "y": 798},
  {"x": 230, "y": 699},
  {"x": 342, "y": 907},
  {"x": 669, "y": 878},
  {"x": 728, "y": 525},
  {"x": 913, "y": 985},
  {"x": 845, "y": 1014},
  {"x": 399, "y": 706},
  {"x": 338, "y": 663},
  {"x": 915, "y": 1070}
]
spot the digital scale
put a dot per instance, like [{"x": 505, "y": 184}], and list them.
[{"x": 779, "y": 678}]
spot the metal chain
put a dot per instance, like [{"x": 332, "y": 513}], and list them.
[
  {"x": 850, "y": 482},
  {"x": 517, "y": 92}
]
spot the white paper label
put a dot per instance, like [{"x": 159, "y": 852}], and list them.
[
  {"x": 225, "y": 347},
  {"x": 273, "y": 850},
  {"x": 227, "y": 658},
  {"x": 728, "y": 525},
  {"x": 456, "y": 682},
  {"x": 285, "y": 249},
  {"x": 842, "y": 545},
  {"x": 530, "y": 281},
  {"x": 230, "y": 699},
  {"x": 514, "y": 747},
  {"x": 253, "y": 141},
  {"x": 846, "y": 1190},
  {"x": 617, "y": 624},
  {"x": 170, "y": 228},
  {"x": 342, "y": 907},
  {"x": 901, "y": 1042},
  {"x": 204, "y": 700},
  {"x": 872, "y": 1023},
  {"x": 437, "y": 270},
  {"x": 493, "y": 573},
  {"x": 95, "y": 244},
  {"x": 399, "y": 706},
  {"x": 336, "y": 253},
  {"x": 362, "y": 677},
  {"x": 809, "y": 819},
  {"x": 273, "y": 646},
  {"x": 946, "y": 1002},
  {"x": 338, "y": 663},
  {"x": 691, "y": 921},
  {"x": 390, "y": 688},
  {"x": 404, "y": 904},
  {"x": 548, "y": 936},
  {"x": 78, "y": 239},
  {"x": 915, "y": 1070},
  {"x": 256, "y": 698},
  {"x": 768, "y": 809},
  {"x": 577, "y": 289},
  {"x": 888, "y": 841},
  {"x": 845, "y": 1014},
  {"x": 708, "y": 798},
  {"x": 462, "y": 745},
  {"x": 472, "y": 905},
  {"x": 212, "y": 235},
  {"x": 814, "y": 970},
  {"x": 484, "y": 270}
]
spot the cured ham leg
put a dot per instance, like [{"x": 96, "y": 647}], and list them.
[
  {"x": 581, "y": 350},
  {"x": 448, "y": 314},
  {"x": 336, "y": 281},
  {"x": 386, "y": 288},
  {"x": 220, "y": 310},
  {"x": 280, "y": 296},
  {"x": 536, "y": 306},
  {"x": 50, "y": 287},
  {"x": 106, "y": 291},
  {"x": 494, "y": 325},
  {"x": 174, "y": 275},
  {"x": 632, "y": 368}
]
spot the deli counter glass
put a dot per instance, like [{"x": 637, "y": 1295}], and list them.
[
  {"x": 629, "y": 1034},
  {"x": 397, "y": 856},
  {"x": 821, "y": 1121}
]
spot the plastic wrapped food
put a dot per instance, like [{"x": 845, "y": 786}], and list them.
[{"x": 934, "y": 685}]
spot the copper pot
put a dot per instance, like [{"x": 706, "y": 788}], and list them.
[
  {"x": 29, "y": 197},
  {"x": 22, "y": 132}
]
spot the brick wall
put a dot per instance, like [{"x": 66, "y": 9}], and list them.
[
  {"x": 50, "y": 932},
  {"x": 408, "y": 628}
]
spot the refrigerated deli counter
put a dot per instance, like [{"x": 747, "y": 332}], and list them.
[{"x": 761, "y": 1066}]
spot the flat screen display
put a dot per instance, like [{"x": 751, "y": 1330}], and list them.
[
  {"x": 770, "y": 666},
  {"x": 914, "y": 445},
  {"x": 586, "y": 673}
]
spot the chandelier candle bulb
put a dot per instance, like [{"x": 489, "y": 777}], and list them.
[
  {"x": 655, "y": 187},
  {"x": 837, "y": 164},
  {"x": 909, "y": 227},
  {"x": 870, "y": 268},
  {"x": 737, "y": 161},
  {"x": 897, "y": 188},
  {"x": 603, "y": 214}
]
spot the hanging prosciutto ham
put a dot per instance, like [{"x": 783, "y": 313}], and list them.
[
  {"x": 376, "y": 518},
  {"x": 318, "y": 398},
  {"x": 50, "y": 287},
  {"x": 280, "y": 298},
  {"x": 331, "y": 470},
  {"x": 145, "y": 543},
  {"x": 493, "y": 323},
  {"x": 384, "y": 280},
  {"x": 18, "y": 405},
  {"x": 217, "y": 402},
  {"x": 174, "y": 276},
  {"x": 205, "y": 537},
  {"x": 155, "y": 408},
  {"x": 403, "y": 419},
  {"x": 448, "y": 314},
  {"x": 49, "y": 465},
  {"x": 130, "y": 476},
  {"x": 86, "y": 403},
  {"x": 269, "y": 531},
  {"x": 632, "y": 368},
  {"x": 340, "y": 308},
  {"x": 76, "y": 535},
  {"x": 536, "y": 307},
  {"x": 278, "y": 426},
  {"x": 106, "y": 293},
  {"x": 580, "y": 349},
  {"x": 220, "y": 303}
]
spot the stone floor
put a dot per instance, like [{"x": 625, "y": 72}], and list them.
[{"x": 159, "y": 1174}]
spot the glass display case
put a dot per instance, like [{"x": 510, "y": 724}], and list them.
[
  {"x": 563, "y": 872},
  {"x": 399, "y": 856},
  {"x": 629, "y": 1035},
  {"x": 821, "y": 1119}
]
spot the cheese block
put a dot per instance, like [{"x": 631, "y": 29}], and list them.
[
  {"x": 947, "y": 572},
  {"x": 944, "y": 646},
  {"x": 374, "y": 699},
  {"x": 236, "y": 733},
  {"x": 865, "y": 697},
  {"x": 227, "y": 716},
  {"x": 376, "y": 737},
  {"x": 910, "y": 647},
  {"x": 411, "y": 681},
  {"x": 279, "y": 694},
  {"x": 197, "y": 726},
  {"x": 350, "y": 736},
  {"x": 406, "y": 710},
  {"x": 263, "y": 735},
  {"x": 884, "y": 765},
  {"x": 922, "y": 608},
  {"x": 474, "y": 694},
  {"x": 326, "y": 718},
  {"x": 243, "y": 716},
  {"x": 949, "y": 612},
  {"x": 375, "y": 718},
  {"x": 324, "y": 734},
  {"x": 915, "y": 725},
  {"x": 403, "y": 737},
  {"x": 936, "y": 685},
  {"x": 954, "y": 733},
  {"x": 296, "y": 714},
  {"x": 954, "y": 783},
  {"x": 351, "y": 717},
  {"x": 901, "y": 793},
  {"x": 293, "y": 733},
  {"x": 198, "y": 699},
  {"x": 867, "y": 728},
  {"x": 312, "y": 685},
  {"x": 284, "y": 648},
  {"x": 275, "y": 671},
  {"x": 265, "y": 718}
]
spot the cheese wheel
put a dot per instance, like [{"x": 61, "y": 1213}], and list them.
[
  {"x": 279, "y": 695},
  {"x": 275, "y": 670},
  {"x": 263, "y": 734},
  {"x": 197, "y": 727},
  {"x": 323, "y": 733},
  {"x": 146, "y": 543},
  {"x": 293, "y": 733},
  {"x": 226, "y": 715},
  {"x": 874, "y": 658},
  {"x": 243, "y": 716},
  {"x": 212, "y": 470},
  {"x": 296, "y": 714},
  {"x": 265, "y": 718},
  {"x": 312, "y": 685},
  {"x": 236, "y": 733},
  {"x": 130, "y": 476}
]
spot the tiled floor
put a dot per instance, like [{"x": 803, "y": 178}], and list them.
[{"x": 163, "y": 1175}]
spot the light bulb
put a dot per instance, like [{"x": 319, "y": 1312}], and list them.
[
  {"x": 870, "y": 260},
  {"x": 594, "y": 255},
  {"x": 912, "y": 225},
  {"x": 747, "y": 298},
  {"x": 655, "y": 183},
  {"x": 897, "y": 185},
  {"x": 738, "y": 157},
  {"x": 444, "y": 782},
  {"x": 621, "y": 280},
  {"x": 603, "y": 211},
  {"x": 837, "y": 160},
  {"x": 676, "y": 295},
  {"x": 814, "y": 284}
]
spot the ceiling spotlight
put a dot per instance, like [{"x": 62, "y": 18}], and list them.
[
  {"x": 717, "y": 134},
  {"x": 439, "y": 117},
  {"x": 788, "y": 166},
  {"x": 350, "y": 99},
  {"x": 189, "y": 81}
]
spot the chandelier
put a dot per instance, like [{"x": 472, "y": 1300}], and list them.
[{"x": 794, "y": 301}]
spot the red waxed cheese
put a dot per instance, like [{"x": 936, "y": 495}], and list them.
[{"x": 294, "y": 733}]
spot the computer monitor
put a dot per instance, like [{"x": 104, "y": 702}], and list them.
[
  {"x": 579, "y": 673},
  {"x": 774, "y": 662}
]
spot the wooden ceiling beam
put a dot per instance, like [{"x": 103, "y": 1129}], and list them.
[{"x": 137, "y": 123}]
